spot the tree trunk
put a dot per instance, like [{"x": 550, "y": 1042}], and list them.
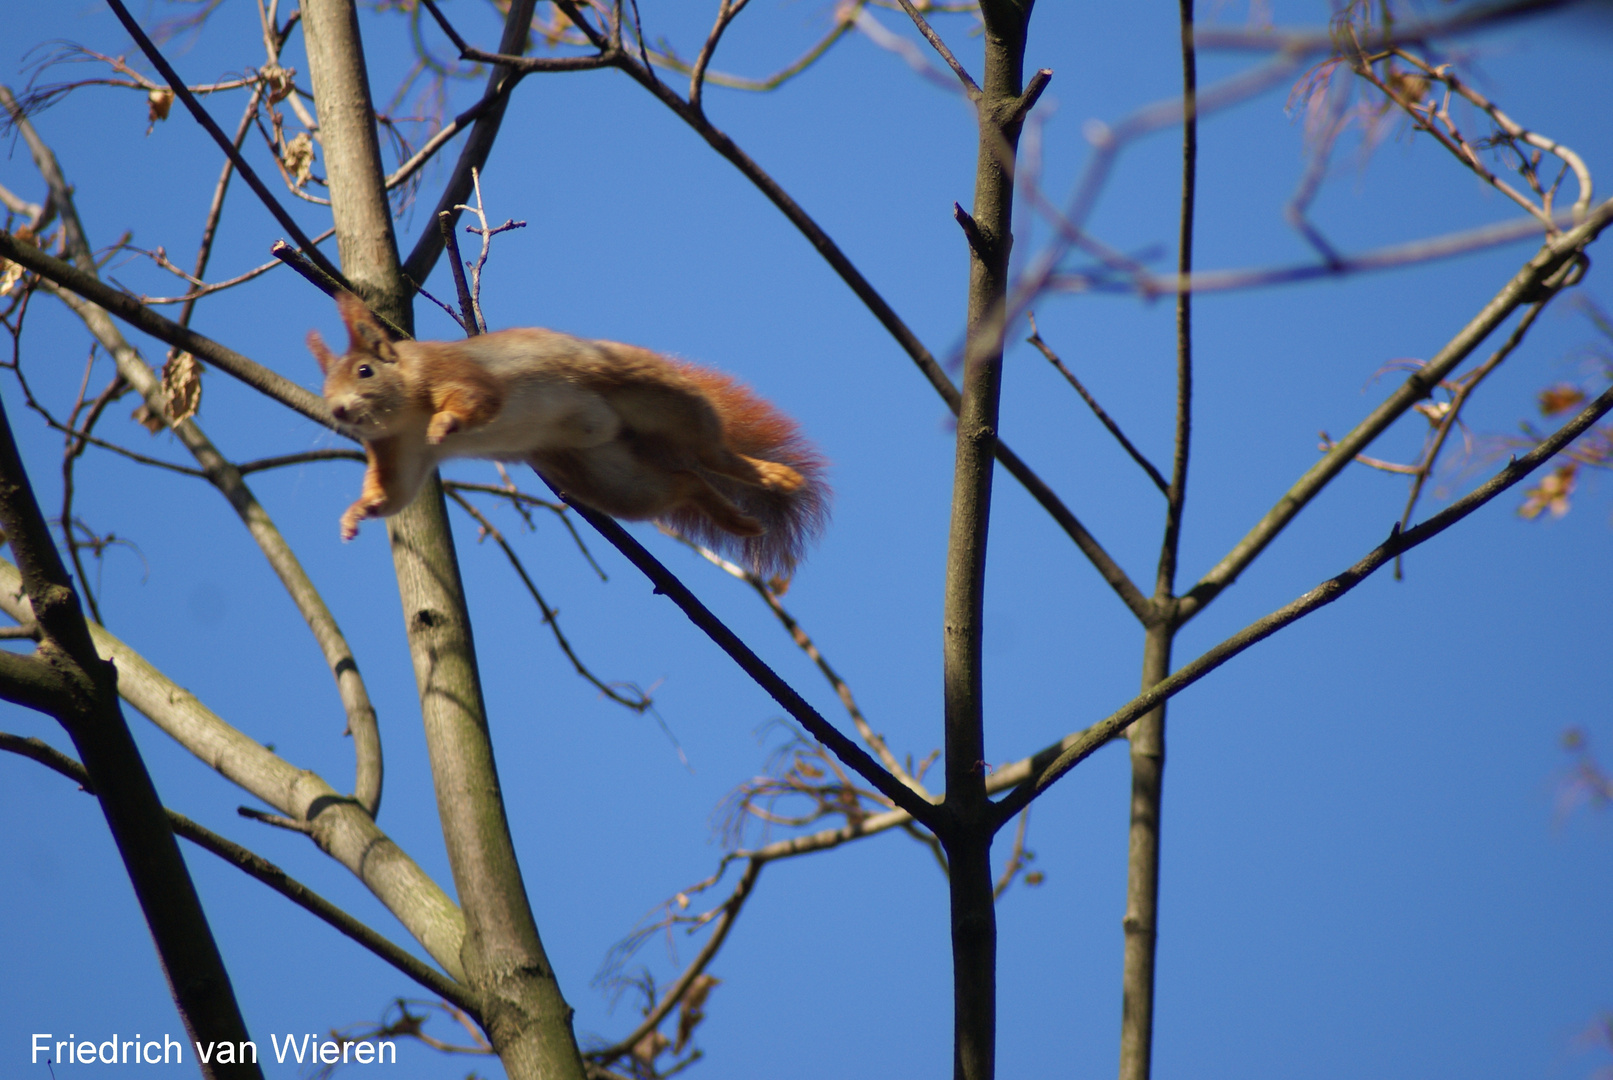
[{"x": 523, "y": 1012}]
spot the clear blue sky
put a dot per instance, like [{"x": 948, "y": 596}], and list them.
[{"x": 1365, "y": 873}]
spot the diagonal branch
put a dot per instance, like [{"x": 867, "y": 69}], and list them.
[
  {"x": 637, "y": 700},
  {"x": 142, "y": 318},
  {"x": 87, "y": 708},
  {"x": 339, "y": 826},
  {"x": 1092, "y": 738},
  {"x": 134, "y": 371},
  {"x": 269, "y": 874},
  {"x": 970, "y": 86},
  {"x": 674, "y": 993},
  {"x": 1549, "y": 271},
  {"x": 667, "y": 584},
  {"x": 224, "y": 142},
  {"x": 1097, "y": 410},
  {"x": 805, "y": 643}
]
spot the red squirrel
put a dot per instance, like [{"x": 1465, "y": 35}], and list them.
[{"x": 618, "y": 428}]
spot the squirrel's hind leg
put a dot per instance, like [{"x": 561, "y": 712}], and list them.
[{"x": 752, "y": 472}]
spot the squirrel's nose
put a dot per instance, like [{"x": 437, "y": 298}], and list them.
[{"x": 339, "y": 411}]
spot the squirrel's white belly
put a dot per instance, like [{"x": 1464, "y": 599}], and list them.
[{"x": 538, "y": 415}]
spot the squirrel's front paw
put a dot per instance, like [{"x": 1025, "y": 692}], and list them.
[
  {"x": 355, "y": 514},
  {"x": 442, "y": 425}
]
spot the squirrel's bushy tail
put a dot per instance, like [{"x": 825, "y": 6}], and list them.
[{"x": 791, "y": 516}]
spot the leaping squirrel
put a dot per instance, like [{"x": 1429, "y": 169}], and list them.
[{"x": 616, "y": 427}]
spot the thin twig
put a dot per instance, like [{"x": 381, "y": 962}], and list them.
[
  {"x": 639, "y": 701},
  {"x": 674, "y": 993},
  {"x": 131, "y": 311},
  {"x": 1097, "y": 410},
  {"x": 183, "y": 92},
  {"x": 969, "y": 85}
]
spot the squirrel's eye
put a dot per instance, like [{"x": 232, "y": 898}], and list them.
[{"x": 365, "y": 371}]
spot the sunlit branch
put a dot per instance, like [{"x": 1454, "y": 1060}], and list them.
[
  {"x": 340, "y": 827},
  {"x": 1328, "y": 591},
  {"x": 269, "y": 874},
  {"x": 1553, "y": 268}
]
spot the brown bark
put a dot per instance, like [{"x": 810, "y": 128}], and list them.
[
  {"x": 526, "y": 1018},
  {"x": 67, "y": 679},
  {"x": 968, "y": 836}
]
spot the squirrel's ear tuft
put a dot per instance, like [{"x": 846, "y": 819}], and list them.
[
  {"x": 322, "y": 353},
  {"x": 365, "y": 333}
]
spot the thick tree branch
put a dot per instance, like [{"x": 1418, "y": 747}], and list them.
[
  {"x": 361, "y": 721},
  {"x": 338, "y": 825},
  {"x": 268, "y": 873},
  {"x": 525, "y": 1015},
  {"x": 967, "y": 839},
  {"x": 1147, "y": 735},
  {"x": 88, "y": 709}
]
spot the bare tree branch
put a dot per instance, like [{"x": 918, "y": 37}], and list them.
[
  {"x": 675, "y": 590},
  {"x": 1543, "y": 276},
  {"x": 1110, "y": 570},
  {"x": 137, "y": 315},
  {"x": 340, "y": 827},
  {"x": 269, "y": 874},
  {"x": 1083, "y": 745},
  {"x": 179, "y": 88}
]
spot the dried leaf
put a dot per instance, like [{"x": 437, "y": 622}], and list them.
[
  {"x": 181, "y": 387},
  {"x": 158, "y": 102},
  {"x": 10, "y": 274},
  {"x": 1434, "y": 410},
  {"x": 278, "y": 81},
  {"x": 147, "y": 419},
  {"x": 1552, "y": 493},
  {"x": 1558, "y": 399},
  {"x": 650, "y": 1047},
  {"x": 298, "y": 158},
  {"x": 692, "y": 1009}
]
